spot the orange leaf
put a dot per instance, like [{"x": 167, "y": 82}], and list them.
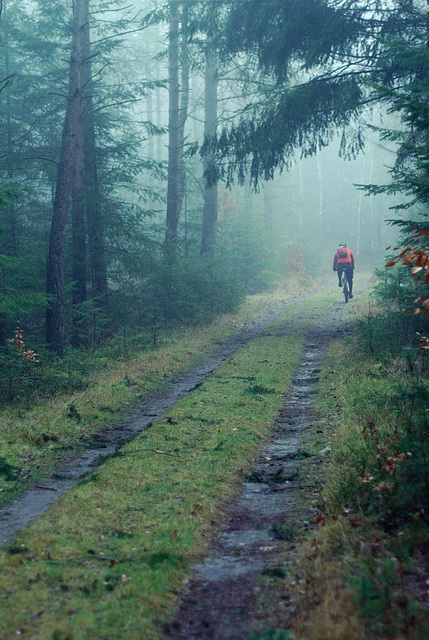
[
  {"x": 391, "y": 263},
  {"x": 404, "y": 251}
]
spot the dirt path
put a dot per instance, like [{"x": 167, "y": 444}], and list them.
[
  {"x": 225, "y": 599},
  {"x": 33, "y": 502}
]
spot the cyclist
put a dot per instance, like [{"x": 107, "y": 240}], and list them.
[{"x": 344, "y": 260}]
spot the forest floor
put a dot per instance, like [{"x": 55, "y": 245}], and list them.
[
  {"x": 33, "y": 502},
  {"x": 191, "y": 519}
]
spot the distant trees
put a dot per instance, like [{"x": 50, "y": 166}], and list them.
[{"x": 101, "y": 205}]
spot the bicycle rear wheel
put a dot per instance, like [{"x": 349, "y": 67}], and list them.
[{"x": 345, "y": 287}]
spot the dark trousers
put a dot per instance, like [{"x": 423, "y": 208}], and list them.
[{"x": 349, "y": 273}]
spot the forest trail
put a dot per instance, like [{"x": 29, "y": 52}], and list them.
[
  {"x": 37, "y": 499},
  {"x": 227, "y": 597},
  {"x": 237, "y": 589}
]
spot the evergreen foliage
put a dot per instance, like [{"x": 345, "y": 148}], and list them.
[
  {"x": 315, "y": 60},
  {"x": 289, "y": 74}
]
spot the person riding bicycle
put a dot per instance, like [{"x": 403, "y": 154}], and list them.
[{"x": 344, "y": 260}]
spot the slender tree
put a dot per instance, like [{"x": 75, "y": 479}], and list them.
[
  {"x": 94, "y": 218},
  {"x": 78, "y": 235},
  {"x": 210, "y": 211},
  {"x": 55, "y": 330},
  {"x": 184, "y": 103},
  {"x": 173, "y": 210}
]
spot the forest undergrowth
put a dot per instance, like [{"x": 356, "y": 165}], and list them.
[{"x": 363, "y": 568}]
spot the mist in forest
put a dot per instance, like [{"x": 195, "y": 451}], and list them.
[{"x": 155, "y": 169}]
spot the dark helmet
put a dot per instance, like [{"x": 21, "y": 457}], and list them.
[{"x": 342, "y": 244}]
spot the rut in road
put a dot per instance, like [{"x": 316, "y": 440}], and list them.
[
  {"x": 33, "y": 502},
  {"x": 224, "y": 600}
]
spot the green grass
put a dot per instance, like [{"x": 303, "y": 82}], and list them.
[
  {"x": 360, "y": 565},
  {"x": 33, "y": 440},
  {"x": 111, "y": 557}
]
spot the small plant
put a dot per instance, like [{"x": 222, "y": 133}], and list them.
[
  {"x": 17, "y": 364},
  {"x": 259, "y": 389},
  {"x": 18, "y": 340},
  {"x": 388, "y": 457},
  {"x": 282, "y": 532},
  {"x": 275, "y": 572},
  {"x": 375, "y": 587},
  {"x": 7, "y": 470}
]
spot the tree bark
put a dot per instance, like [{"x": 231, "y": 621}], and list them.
[
  {"x": 173, "y": 211},
  {"x": 94, "y": 218},
  {"x": 210, "y": 211},
  {"x": 55, "y": 329},
  {"x": 184, "y": 105},
  {"x": 78, "y": 239}
]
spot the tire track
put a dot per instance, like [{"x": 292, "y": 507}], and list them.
[
  {"x": 37, "y": 499},
  {"x": 223, "y": 599}
]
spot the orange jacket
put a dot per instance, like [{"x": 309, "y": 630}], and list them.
[{"x": 349, "y": 260}]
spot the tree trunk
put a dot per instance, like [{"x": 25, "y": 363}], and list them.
[
  {"x": 55, "y": 332},
  {"x": 210, "y": 211},
  {"x": 159, "y": 124},
  {"x": 78, "y": 239},
  {"x": 94, "y": 218},
  {"x": 321, "y": 220},
  {"x": 9, "y": 211},
  {"x": 268, "y": 210},
  {"x": 173, "y": 211},
  {"x": 184, "y": 104}
]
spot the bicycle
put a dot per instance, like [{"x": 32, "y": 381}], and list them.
[{"x": 345, "y": 286}]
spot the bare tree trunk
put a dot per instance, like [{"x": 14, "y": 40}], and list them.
[
  {"x": 268, "y": 209},
  {"x": 159, "y": 123},
  {"x": 150, "y": 141},
  {"x": 321, "y": 220},
  {"x": 78, "y": 239},
  {"x": 173, "y": 211},
  {"x": 210, "y": 211},
  {"x": 3, "y": 321},
  {"x": 3, "y": 326},
  {"x": 55, "y": 331},
  {"x": 184, "y": 105},
  {"x": 94, "y": 218}
]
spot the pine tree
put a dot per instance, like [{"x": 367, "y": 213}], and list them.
[{"x": 316, "y": 59}]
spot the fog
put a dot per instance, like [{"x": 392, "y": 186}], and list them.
[{"x": 109, "y": 115}]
